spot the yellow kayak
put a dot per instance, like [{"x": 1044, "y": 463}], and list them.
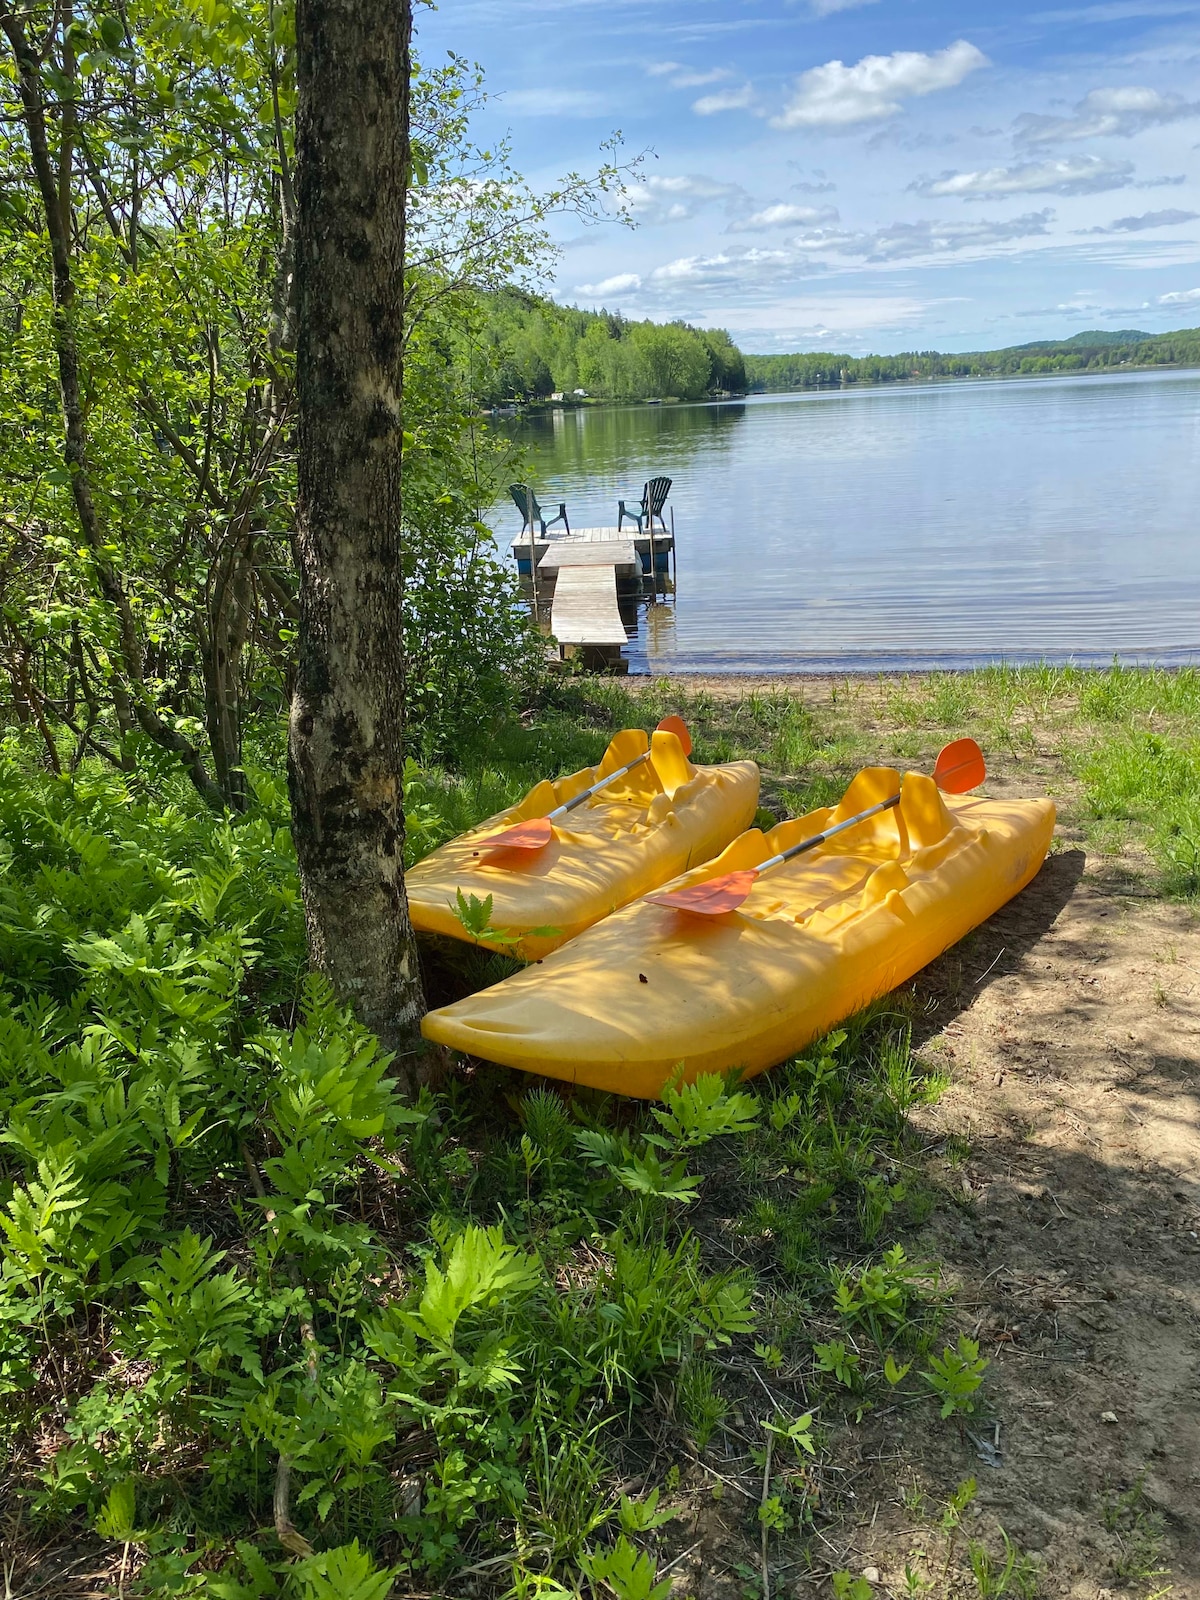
[
  {"x": 648, "y": 826},
  {"x": 653, "y": 991}
]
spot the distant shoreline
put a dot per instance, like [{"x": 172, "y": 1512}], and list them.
[
  {"x": 980, "y": 378},
  {"x": 527, "y": 408}
]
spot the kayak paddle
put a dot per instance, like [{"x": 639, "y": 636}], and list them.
[
  {"x": 959, "y": 768},
  {"x": 536, "y": 832}
]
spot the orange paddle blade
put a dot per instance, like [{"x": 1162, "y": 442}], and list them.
[
  {"x": 711, "y": 899},
  {"x": 678, "y": 727},
  {"x": 533, "y": 834},
  {"x": 960, "y": 767}
]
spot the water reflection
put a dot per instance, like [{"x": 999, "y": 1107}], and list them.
[{"x": 907, "y": 526}]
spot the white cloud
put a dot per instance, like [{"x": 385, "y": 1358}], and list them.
[
  {"x": 675, "y": 199},
  {"x": 1107, "y": 112},
  {"x": 822, "y": 318},
  {"x": 905, "y": 240},
  {"x": 1067, "y": 175},
  {"x": 781, "y": 216},
  {"x": 1181, "y": 297},
  {"x": 1149, "y": 219},
  {"x": 1119, "y": 11},
  {"x": 695, "y": 80},
  {"x": 683, "y": 77},
  {"x": 731, "y": 266},
  {"x": 620, "y": 283},
  {"x": 826, "y": 8},
  {"x": 755, "y": 269},
  {"x": 836, "y": 96},
  {"x": 555, "y": 102},
  {"x": 743, "y": 99}
]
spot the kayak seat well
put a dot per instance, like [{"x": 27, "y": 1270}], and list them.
[{"x": 649, "y": 825}]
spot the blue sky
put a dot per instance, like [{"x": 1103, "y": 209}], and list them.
[{"x": 862, "y": 175}]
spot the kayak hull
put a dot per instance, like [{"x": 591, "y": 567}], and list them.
[
  {"x": 661, "y": 819},
  {"x": 652, "y": 994}
]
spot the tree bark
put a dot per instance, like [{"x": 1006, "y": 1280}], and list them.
[{"x": 345, "y": 759}]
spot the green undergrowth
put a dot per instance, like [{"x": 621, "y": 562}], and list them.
[{"x": 268, "y": 1329}]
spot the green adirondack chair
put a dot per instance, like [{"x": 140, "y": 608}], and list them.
[
  {"x": 654, "y": 498},
  {"x": 531, "y": 513}
]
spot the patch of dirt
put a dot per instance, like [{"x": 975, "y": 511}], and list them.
[
  {"x": 1068, "y": 1147},
  {"x": 1069, "y": 1142},
  {"x": 1076, "y": 1089}
]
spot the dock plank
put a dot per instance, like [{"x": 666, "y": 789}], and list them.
[
  {"x": 584, "y": 610},
  {"x": 559, "y": 536},
  {"x": 589, "y": 553}
]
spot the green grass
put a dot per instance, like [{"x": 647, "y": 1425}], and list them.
[
  {"x": 1139, "y": 1533},
  {"x": 1150, "y": 781},
  {"x": 450, "y": 1320},
  {"x": 227, "y": 1242}
]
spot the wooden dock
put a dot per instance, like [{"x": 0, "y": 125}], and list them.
[
  {"x": 580, "y": 574},
  {"x": 620, "y": 554},
  {"x": 584, "y": 609},
  {"x": 663, "y": 545}
]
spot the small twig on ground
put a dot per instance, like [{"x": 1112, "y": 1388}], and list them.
[
  {"x": 662, "y": 1571},
  {"x": 287, "y": 1533},
  {"x": 720, "y": 1476},
  {"x": 984, "y": 974}
]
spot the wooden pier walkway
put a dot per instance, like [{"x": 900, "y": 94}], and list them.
[
  {"x": 580, "y": 573},
  {"x": 663, "y": 545},
  {"x": 584, "y": 609}
]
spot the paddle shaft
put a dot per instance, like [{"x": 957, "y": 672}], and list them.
[
  {"x": 561, "y": 811},
  {"x": 820, "y": 838}
]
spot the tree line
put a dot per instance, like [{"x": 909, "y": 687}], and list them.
[
  {"x": 1084, "y": 352},
  {"x": 515, "y": 345},
  {"x": 522, "y": 346}
]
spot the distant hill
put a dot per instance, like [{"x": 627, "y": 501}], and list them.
[
  {"x": 1094, "y": 339},
  {"x": 1082, "y": 352}
]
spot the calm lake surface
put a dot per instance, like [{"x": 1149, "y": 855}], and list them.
[{"x": 904, "y": 528}]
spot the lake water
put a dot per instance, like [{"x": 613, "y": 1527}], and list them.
[{"x": 901, "y": 528}]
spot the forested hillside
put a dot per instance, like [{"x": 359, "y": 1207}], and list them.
[
  {"x": 529, "y": 348},
  {"x": 1081, "y": 353},
  {"x": 524, "y": 347}
]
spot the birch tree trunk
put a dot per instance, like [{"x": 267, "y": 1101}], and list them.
[{"x": 345, "y": 760}]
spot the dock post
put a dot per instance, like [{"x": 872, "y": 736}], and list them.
[
  {"x": 532, "y": 548},
  {"x": 653, "y": 572},
  {"x": 674, "y": 566}
]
